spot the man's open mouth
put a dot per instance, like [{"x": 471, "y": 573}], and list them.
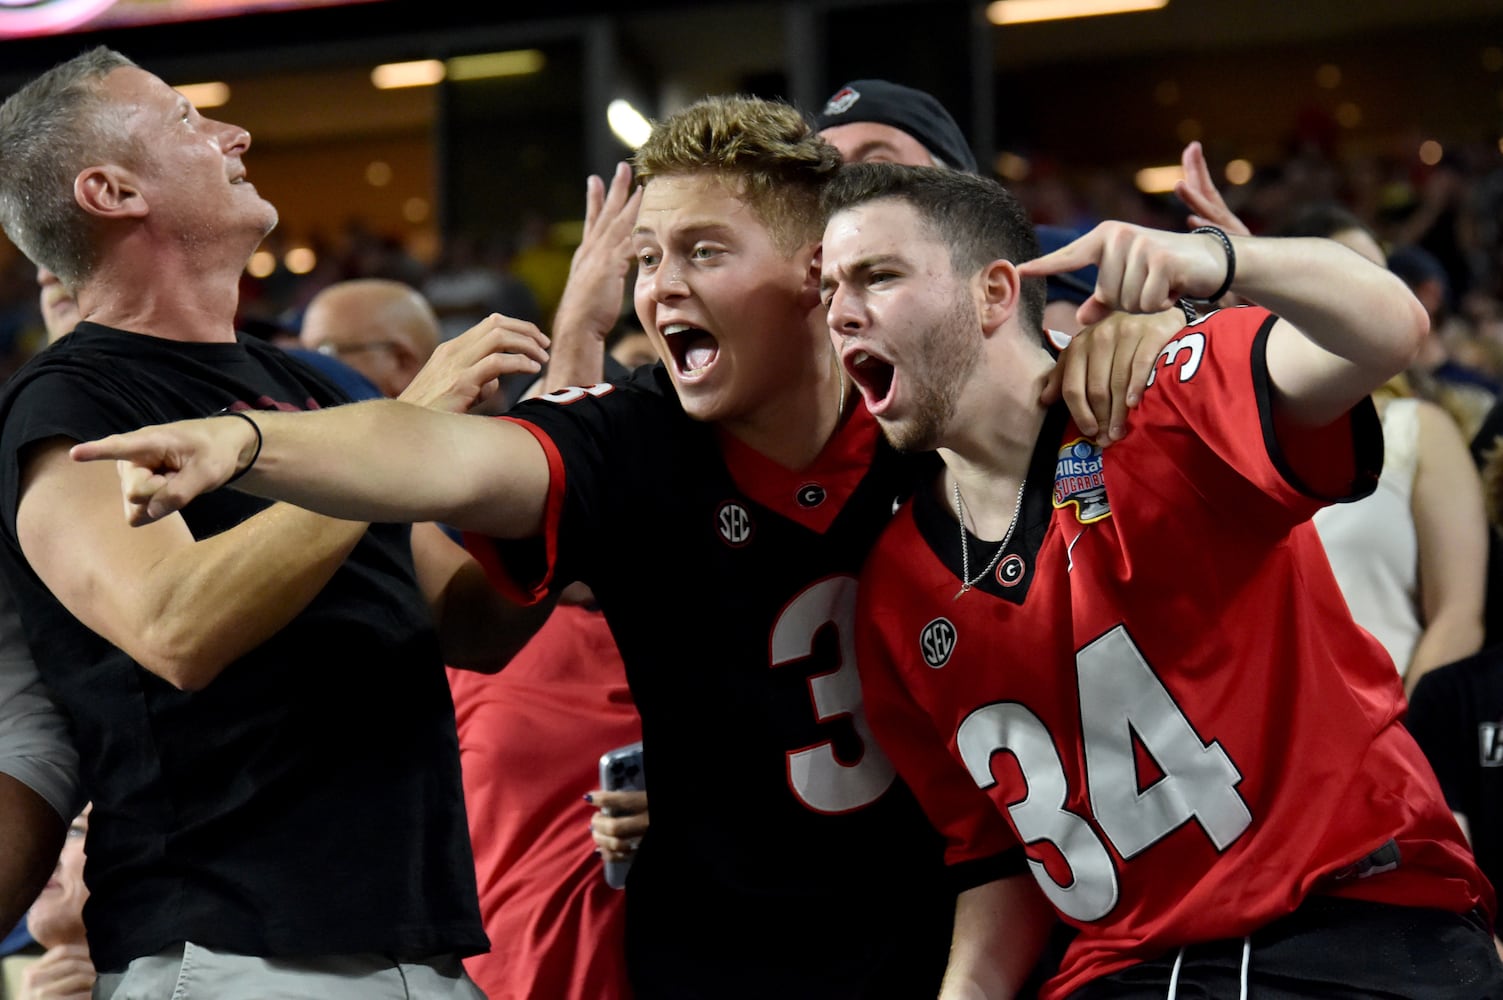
[
  {"x": 873, "y": 376},
  {"x": 693, "y": 350}
]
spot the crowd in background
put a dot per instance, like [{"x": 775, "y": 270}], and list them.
[
  {"x": 1445, "y": 221},
  {"x": 1440, "y": 228}
]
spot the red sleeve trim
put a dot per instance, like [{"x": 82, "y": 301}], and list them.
[{"x": 483, "y": 547}]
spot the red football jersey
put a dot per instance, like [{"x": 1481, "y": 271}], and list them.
[
  {"x": 1159, "y": 691},
  {"x": 530, "y": 740}
]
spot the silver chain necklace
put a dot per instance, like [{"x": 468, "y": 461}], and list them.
[{"x": 966, "y": 580}]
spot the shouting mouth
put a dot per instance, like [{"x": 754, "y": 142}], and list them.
[
  {"x": 873, "y": 376},
  {"x": 692, "y": 349}
]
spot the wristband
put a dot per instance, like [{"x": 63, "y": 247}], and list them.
[
  {"x": 1231, "y": 263},
  {"x": 259, "y": 441}
]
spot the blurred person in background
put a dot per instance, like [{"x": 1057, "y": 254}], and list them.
[
  {"x": 59, "y": 307},
  {"x": 1405, "y": 556},
  {"x": 384, "y": 329},
  {"x": 879, "y": 121},
  {"x": 1456, "y": 711},
  {"x": 64, "y": 971}
]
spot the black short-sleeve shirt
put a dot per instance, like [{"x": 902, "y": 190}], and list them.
[{"x": 308, "y": 800}]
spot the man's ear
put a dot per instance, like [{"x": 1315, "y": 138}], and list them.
[
  {"x": 109, "y": 192},
  {"x": 1000, "y": 291},
  {"x": 810, "y": 289}
]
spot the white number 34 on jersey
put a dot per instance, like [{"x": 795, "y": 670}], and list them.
[{"x": 1119, "y": 696}]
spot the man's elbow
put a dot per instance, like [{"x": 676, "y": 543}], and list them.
[
  {"x": 180, "y": 657},
  {"x": 1412, "y": 326}
]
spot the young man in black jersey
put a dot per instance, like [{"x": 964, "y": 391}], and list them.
[
  {"x": 784, "y": 859},
  {"x": 242, "y": 679}
]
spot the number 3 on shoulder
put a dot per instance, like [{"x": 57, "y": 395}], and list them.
[{"x": 1119, "y": 696}]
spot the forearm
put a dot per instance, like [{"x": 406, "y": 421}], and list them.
[
  {"x": 577, "y": 352},
  {"x": 1447, "y": 639},
  {"x": 1000, "y": 930},
  {"x": 182, "y": 607},
  {"x": 205, "y": 605},
  {"x": 382, "y": 460},
  {"x": 33, "y": 835},
  {"x": 387, "y": 461},
  {"x": 478, "y": 628},
  {"x": 1355, "y": 310}
]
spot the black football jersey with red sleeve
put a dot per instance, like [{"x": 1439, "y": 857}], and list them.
[{"x": 784, "y": 858}]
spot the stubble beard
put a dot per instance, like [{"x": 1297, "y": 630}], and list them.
[{"x": 951, "y": 353}]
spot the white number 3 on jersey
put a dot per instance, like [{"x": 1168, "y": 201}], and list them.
[
  {"x": 1119, "y": 696},
  {"x": 821, "y": 780}
]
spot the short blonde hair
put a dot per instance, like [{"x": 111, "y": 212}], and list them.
[{"x": 767, "y": 150}]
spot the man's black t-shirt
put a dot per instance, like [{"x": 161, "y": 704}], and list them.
[
  {"x": 308, "y": 800},
  {"x": 785, "y": 859}
]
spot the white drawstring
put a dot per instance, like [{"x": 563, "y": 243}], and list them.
[{"x": 1180, "y": 957}]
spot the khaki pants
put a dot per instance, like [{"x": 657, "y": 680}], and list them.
[{"x": 193, "y": 972}]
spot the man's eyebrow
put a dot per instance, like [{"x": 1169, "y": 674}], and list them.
[
  {"x": 860, "y": 266},
  {"x": 691, "y": 229}
]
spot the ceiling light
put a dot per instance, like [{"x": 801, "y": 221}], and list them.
[
  {"x": 424, "y": 73},
  {"x": 300, "y": 260},
  {"x": 262, "y": 263},
  {"x": 1239, "y": 172},
  {"x": 1158, "y": 180},
  {"x": 205, "y": 95},
  {"x": 627, "y": 123},
  {"x": 1025, "y": 11},
  {"x": 516, "y": 62}
]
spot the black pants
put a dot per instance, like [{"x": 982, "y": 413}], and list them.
[{"x": 1332, "y": 949}]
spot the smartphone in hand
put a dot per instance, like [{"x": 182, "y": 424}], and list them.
[{"x": 621, "y": 771}]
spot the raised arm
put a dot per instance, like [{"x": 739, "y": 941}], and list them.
[
  {"x": 381, "y": 460},
  {"x": 591, "y": 301},
  {"x": 1346, "y": 327}
]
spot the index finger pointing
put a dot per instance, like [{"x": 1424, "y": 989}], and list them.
[
  {"x": 1070, "y": 257},
  {"x": 116, "y": 446}
]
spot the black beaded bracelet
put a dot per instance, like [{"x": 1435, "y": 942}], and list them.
[
  {"x": 259, "y": 440},
  {"x": 1231, "y": 263}
]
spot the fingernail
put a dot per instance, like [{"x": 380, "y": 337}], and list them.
[{"x": 589, "y": 798}]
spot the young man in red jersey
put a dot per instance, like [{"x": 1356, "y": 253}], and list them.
[{"x": 1123, "y": 682}]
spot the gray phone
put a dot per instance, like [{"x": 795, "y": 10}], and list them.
[{"x": 621, "y": 771}]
